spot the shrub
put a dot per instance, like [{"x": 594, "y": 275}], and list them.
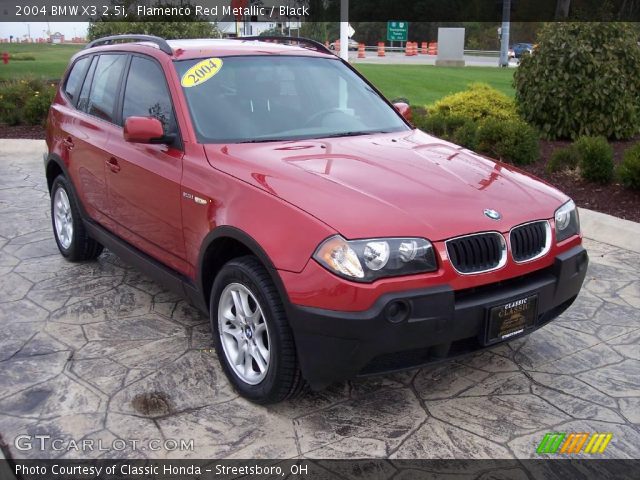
[
  {"x": 25, "y": 101},
  {"x": 510, "y": 141},
  {"x": 583, "y": 79},
  {"x": 483, "y": 119},
  {"x": 9, "y": 112},
  {"x": 629, "y": 169},
  {"x": 566, "y": 158},
  {"x": 420, "y": 120},
  {"x": 596, "y": 159},
  {"x": 13, "y": 95},
  {"x": 36, "y": 108},
  {"x": 478, "y": 102},
  {"x": 466, "y": 134},
  {"x": 440, "y": 125}
]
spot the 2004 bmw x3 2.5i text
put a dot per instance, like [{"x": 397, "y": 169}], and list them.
[{"x": 276, "y": 188}]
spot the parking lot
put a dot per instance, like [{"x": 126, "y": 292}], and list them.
[{"x": 98, "y": 351}]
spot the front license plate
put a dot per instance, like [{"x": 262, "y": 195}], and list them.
[{"x": 511, "y": 319}]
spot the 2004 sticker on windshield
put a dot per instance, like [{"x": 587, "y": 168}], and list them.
[{"x": 201, "y": 72}]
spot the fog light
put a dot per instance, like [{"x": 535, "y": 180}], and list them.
[{"x": 397, "y": 311}]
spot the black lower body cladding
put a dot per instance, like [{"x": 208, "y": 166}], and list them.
[{"x": 418, "y": 327}]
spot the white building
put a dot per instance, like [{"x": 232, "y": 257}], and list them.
[{"x": 251, "y": 28}]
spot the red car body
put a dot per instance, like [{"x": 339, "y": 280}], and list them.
[{"x": 185, "y": 207}]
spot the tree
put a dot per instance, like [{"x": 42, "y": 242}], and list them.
[
  {"x": 185, "y": 26},
  {"x": 320, "y": 31},
  {"x": 272, "y": 32}
]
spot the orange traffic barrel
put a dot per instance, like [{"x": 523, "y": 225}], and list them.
[
  {"x": 425, "y": 48},
  {"x": 361, "y": 50},
  {"x": 433, "y": 48},
  {"x": 381, "y": 49}
]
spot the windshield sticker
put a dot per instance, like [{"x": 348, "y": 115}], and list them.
[{"x": 201, "y": 72}]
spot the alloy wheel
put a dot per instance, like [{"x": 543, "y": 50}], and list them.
[
  {"x": 244, "y": 333},
  {"x": 63, "y": 218}
]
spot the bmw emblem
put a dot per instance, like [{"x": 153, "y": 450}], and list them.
[{"x": 492, "y": 214}]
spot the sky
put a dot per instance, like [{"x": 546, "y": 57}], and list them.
[{"x": 19, "y": 29}]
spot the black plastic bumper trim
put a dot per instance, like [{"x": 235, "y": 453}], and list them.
[{"x": 442, "y": 323}]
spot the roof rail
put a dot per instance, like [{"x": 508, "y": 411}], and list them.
[
  {"x": 161, "y": 42},
  {"x": 301, "y": 40}
]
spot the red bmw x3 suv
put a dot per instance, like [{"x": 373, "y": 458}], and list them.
[{"x": 276, "y": 188}]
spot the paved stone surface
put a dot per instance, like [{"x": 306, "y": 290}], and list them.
[{"x": 98, "y": 352}]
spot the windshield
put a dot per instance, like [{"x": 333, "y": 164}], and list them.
[{"x": 268, "y": 98}]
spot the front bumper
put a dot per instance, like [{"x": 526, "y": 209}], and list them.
[{"x": 440, "y": 323}]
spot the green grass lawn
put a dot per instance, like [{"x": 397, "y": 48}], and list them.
[
  {"x": 50, "y": 62},
  {"x": 424, "y": 84}
]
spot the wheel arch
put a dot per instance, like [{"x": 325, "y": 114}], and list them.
[
  {"x": 54, "y": 166},
  {"x": 223, "y": 244}
]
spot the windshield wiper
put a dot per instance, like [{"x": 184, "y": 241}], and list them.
[
  {"x": 315, "y": 136},
  {"x": 352, "y": 134},
  {"x": 264, "y": 140}
]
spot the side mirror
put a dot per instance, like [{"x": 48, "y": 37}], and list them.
[
  {"x": 143, "y": 130},
  {"x": 404, "y": 109}
]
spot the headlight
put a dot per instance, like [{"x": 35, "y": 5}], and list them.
[
  {"x": 368, "y": 260},
  {"x": 567, "y": 221}
]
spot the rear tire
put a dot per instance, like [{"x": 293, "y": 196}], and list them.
[
  {"x": 256, "y": 349},
  {"x": 72, "y": 238}
]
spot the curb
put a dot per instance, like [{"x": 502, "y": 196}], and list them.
[
  {"x": 19, "y": 145},
  {"x": 611, "y": 230}
]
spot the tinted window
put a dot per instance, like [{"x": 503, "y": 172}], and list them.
[
  {"x": 104, "y": 86},
  {"x": 146, "y": 94},
  {"x": 74, "y": 80},
  {"x": 83, "y": 100}
]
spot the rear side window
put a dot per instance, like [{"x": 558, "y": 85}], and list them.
[
  {"x": 104, "y": 87},
  {"x": 74, "y": 80},
  {"x": 83, "y": 99},
  {"x": 146, "y": 94}
]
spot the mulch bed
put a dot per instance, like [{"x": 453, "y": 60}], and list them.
[
  {"x": 22, "y": 132},
  {"x": 613, "y": 199}
]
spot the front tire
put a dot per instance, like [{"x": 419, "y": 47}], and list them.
[
  {"x": 252, "y": 336},
  {"x": 71, "y": 237}
]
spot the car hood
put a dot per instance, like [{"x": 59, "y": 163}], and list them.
[{"x": 395, "y": 184}]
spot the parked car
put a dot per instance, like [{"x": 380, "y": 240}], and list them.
[
  {"x": 324, "y": 236},
  {"x": 353, "y": 44},
  {"x": 520, "y": 49}
]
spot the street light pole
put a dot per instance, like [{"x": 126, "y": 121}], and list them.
[{"x": 504, "y": 37}]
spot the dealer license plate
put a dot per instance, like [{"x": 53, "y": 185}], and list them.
[{"x": 511, "y": 319}]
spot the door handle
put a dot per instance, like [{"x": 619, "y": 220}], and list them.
[
  {"x": 68, "y": 142},
  {"x": 112, "y": 163}
]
